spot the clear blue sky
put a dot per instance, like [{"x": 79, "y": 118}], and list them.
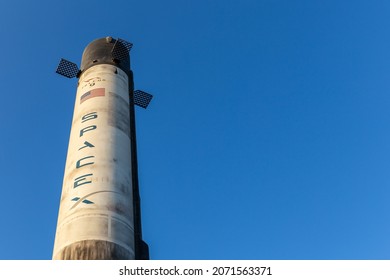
[{"x": 267, "y": 138}]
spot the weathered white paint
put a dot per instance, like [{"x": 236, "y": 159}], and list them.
[{"x": 98, "y": 207}]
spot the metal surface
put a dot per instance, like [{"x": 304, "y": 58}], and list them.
[
  {"x": 100, "y": 51},
  {"x": 67, "y": 69},
  {"x": 97, "y": 192},
  {"x": 100, "y": 215},
  {"x": 142, "y": 98}
]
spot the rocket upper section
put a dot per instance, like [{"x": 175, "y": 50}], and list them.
[{"x": 107, "y": 51}]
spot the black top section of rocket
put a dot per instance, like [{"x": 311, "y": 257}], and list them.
[{"x": 107, "y": 51}]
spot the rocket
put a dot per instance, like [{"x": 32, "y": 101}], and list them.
[{"x": 99, "y": 216}]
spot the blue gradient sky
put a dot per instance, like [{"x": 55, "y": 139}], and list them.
[{"x": 267, "y": 138}]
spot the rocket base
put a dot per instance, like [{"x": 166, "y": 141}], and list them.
[{"x": 94, "y": 250}]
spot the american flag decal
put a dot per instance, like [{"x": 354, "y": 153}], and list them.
[{"x": 92, "y": 93}]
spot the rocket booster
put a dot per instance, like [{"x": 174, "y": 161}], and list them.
[{"x": 99, "y": 214}]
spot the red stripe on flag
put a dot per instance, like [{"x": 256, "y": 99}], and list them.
[{"x": 92, "y": 93}]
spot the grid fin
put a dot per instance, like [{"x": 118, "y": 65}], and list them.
[
  {"x": 67, "y": 69},
  {"x": 121, "y": 49},
  {"x": 142, "y": 98}
]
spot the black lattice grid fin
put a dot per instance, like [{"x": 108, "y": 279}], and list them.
[
  {"x": 127, "y": 45},
  {"x": 121, "y": 49},
  {"x": 67, "y": 68},
  {"x": 142, "y": 98}
]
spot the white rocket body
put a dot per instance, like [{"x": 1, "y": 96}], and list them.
[{"x": 96, "y": 210}]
